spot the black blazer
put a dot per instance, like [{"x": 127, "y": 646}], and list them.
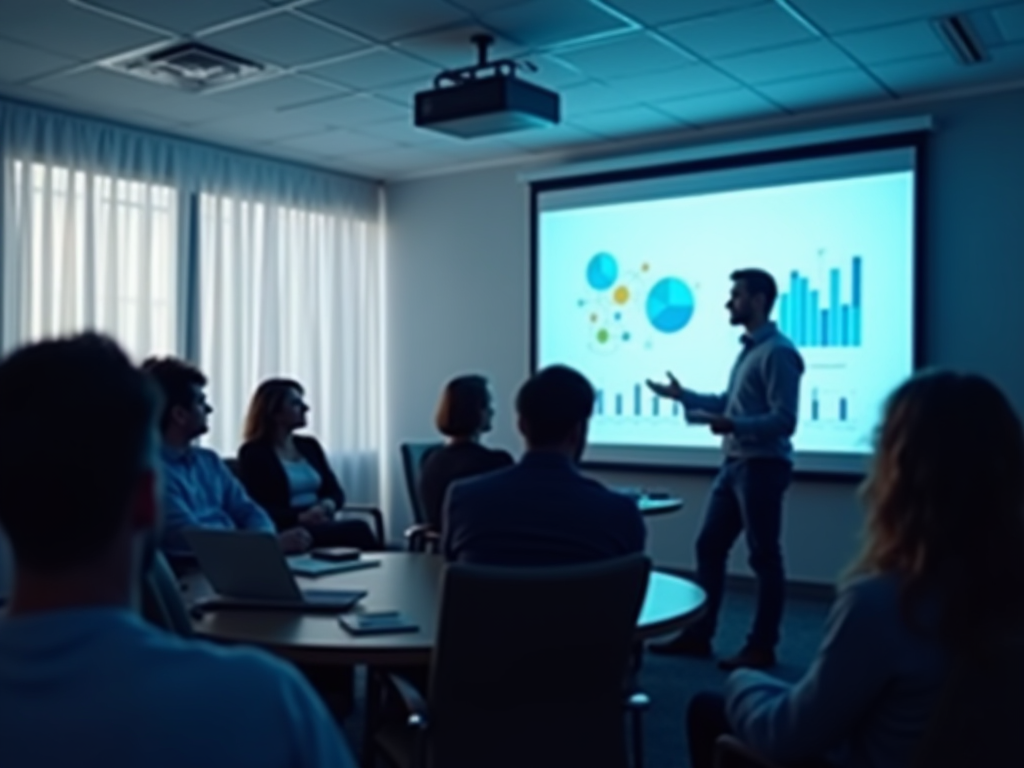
[
  {"x": 264, "y": 478},
  {"x": 443, "y": 466}
]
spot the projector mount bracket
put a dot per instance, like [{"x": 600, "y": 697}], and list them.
[{"x": 483, "y": 66}]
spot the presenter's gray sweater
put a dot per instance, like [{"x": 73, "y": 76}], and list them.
[{"x": 762, "y": 399}]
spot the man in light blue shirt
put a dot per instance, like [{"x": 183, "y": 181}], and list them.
[
  {"x": 199, "y": 489},
  {"x": 84, "y": 681},
  {"x": 756, "y": 418}
]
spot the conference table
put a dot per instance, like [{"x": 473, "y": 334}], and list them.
[
  {"x": 409, "y": 582},
  {"x": 658, "y": 505}
]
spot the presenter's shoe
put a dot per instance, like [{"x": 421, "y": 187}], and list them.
[
  {"x": 750, "y": 658},
  {"x": 683, "y": 646}
]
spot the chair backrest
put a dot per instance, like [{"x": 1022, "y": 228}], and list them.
[
  {"x": 412, "y": 461},
  {"x": 531, "y": 664},
  {"x": 161, "y": 598},
  {"x": 977, "y": 715}
]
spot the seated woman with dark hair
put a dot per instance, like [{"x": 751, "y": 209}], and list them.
[
  {"x": 288, "y": 474},
  {"x": 463, "y": 416},
  {"x": 940, "y": 580}
]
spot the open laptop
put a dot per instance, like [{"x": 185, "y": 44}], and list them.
[{"x": 248, "y": 570}]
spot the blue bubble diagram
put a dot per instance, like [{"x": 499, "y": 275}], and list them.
[{"x": 602, "y": 271}]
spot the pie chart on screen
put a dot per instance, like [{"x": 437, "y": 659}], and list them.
[{"x": 670, "y": 305}]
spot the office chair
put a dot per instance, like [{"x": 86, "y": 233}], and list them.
[
  {"x": 530, "y": 668},
  {"x": 420, "y": 536}
]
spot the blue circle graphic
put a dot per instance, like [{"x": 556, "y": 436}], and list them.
[
  {"x": 670, "y": 305},
  {"x": 602, "y": 271}
]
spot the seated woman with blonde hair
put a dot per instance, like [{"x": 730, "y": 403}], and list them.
[
  {"x": 940, "y": 580},
  {"x": 288, "y": 474}
]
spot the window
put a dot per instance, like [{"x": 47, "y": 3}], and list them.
[
  {"x": 91, "y": 251},
  {"x": 286, "y": 291}
]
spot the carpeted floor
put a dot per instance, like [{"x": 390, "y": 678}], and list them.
[{"x": 670, "y": 682}]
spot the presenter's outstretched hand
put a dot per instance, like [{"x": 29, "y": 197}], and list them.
[{"x": 673, "y": 390}]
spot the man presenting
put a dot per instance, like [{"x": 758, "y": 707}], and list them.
[{"x": 756, "y": 418}]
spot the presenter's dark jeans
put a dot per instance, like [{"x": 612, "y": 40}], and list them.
[
  {"x": 705, "y": 722},
  {"x": 746, "y": 497}
]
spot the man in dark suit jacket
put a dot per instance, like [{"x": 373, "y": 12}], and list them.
[{"x": 542, "y": 511}]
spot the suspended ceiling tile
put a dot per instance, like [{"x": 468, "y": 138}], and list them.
[
  {"x": 739, "y": 31},
  {"x": 451, "y": 47},
  {"x": 722, "y": 107},
  {"x": 339, "y": 142},
  {"x": 183, "y": 16},
  {"x": 21, "y": 62},
  {"x": 480, "y": 7},
  {"x": 347, "y": 111},
  {"x": 557, "y": 137},
  {"x": 552, "y": 73},
  {"x": 633, "y": 54},
  {"x": 909, "y": 40},
  {"x": 70, "y": 31},
  {"x": 277, "y": 93},
  {"x": 627, "y": 122},
  {"x": 266, "y": 127},
  {"x": 286, "y": 41},
  {"x": 837, "y": 16},
  {"x": 1010, "y": 21},
  {"x": 658, "y": 12},
  {"x": 691, "y": 80},
  {"x": 594, "y": 97},
  {"x": 931, "y": 73},
  {"x": 386, "y": 20},
  {"x": 402, "y": 131},
  {"x": 824, "y": 90},
  {"x": 543, "y": 23},
  {"x": 377, "y": 69},
  {"x": 801, "y": 60}
]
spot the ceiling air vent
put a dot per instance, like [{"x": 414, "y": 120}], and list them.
[
  {"x": 960, "y": 39},
  {"x": 188, "y": 66}
]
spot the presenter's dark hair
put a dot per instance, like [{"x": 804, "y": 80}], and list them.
[
  {"x": 945, "y": 504},
  {"x": 460, "y": 413},
  {"x": 177, "y": 381},
  {"x": 77, "y": 429},
  {"x": 552, "y": 404},
  {"x": 264, "y": 406},
  {"x": 758, "y": 282}
]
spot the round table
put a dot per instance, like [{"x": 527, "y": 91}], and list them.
[
  {"x": 649, "y": 507},
  {"x": 408, "y": 582}
]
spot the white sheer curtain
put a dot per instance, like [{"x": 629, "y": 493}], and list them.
[
  {"x": 86, "y": 250},
  {"x": 294, "y": 292},
  {"x": 249, "y": 266}
]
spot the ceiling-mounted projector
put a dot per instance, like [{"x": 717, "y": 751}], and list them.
[{"x": 485, "y": 99}]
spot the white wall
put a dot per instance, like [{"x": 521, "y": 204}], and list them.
[{"x": 458, "y": 301}]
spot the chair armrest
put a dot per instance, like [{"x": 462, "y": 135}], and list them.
[
  {"x": 638, "y": 701},
  {"x": 418, "y": 536},
  {"x": 412, "y": 700},
  {"x": 730, "y": 752},
  {"x": 371, "y": 511}
]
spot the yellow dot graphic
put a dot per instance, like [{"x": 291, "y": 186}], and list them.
[
  {"x": 621, "y": 295},
  {"x": 593, "y": 318},
  {"x": 602, "y": 336},
  {"x": 645, "y": 267}
]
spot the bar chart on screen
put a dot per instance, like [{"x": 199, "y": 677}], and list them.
[
  {"x": 824, "y": 315},
  {"x": 634, "y": 402},
  {"x": 831, "y": 407}
]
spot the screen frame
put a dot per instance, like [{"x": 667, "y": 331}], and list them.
[{"x": 916, "y": 140}]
